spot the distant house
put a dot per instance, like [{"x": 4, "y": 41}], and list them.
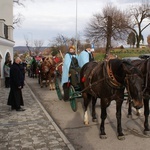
[
  {"x": 6, "y": 35},
  {"x": 143, "y": 46}
]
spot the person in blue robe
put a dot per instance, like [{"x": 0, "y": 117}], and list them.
[
  {"x": 70, "y": 63},
  {"x": 86, "y": 55},
  {"x": 70, "y": 72}
]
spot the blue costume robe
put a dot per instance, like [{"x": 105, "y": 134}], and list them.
[
  {"x": 66, "y": 66},
  {"x": 83, "y": 58}
]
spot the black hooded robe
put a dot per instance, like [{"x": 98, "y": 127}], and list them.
[{"x": 15, "y": 99}]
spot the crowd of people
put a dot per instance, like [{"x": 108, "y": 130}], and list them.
[{"x": 14, "y": 74}]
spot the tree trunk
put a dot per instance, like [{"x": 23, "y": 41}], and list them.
[
  {"x": 109, "y": 34},
  {"x": 139, "y": 38}
]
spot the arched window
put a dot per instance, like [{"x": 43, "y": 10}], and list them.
[{"x": 7, "y": 57}]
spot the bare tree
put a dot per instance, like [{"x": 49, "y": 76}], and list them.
[
  {"x": 30, "y": 49},
  {"x": 131, "y": 39},
  {"x": 19, "y": 2},
  {"x": 110, "y": 25},
  {"x": 18, "y": 18},
  {"x": 60, "y": 40},
  {"x": 62, "y": 43},
  {"x": 139, "y": 14},
  {"x": 38, "y": 44}
]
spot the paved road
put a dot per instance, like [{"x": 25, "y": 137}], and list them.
[
  {"x": 32, "y": 129},
  {"x": 87, "y": 137}
]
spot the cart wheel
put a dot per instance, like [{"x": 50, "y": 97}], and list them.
[
  {"x": 73, "y": 101},
  {"x": 59, "y": 89}
]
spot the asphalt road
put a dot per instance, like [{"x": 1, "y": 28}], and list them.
[{"x": 87, "y": 137}]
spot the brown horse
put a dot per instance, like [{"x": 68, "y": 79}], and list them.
[
  {"x": 144, "y": 67},
  {"x": 107, "y": 80},
  {"x": 47, "y": 73}
]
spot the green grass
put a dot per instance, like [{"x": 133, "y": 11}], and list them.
[{"x": 129, "y": 52}]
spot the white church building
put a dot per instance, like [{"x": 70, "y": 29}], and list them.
[{"x": 6, "y": 35}]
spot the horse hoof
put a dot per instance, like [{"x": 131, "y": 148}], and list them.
[
  {"x": 129, "y": 116},
  {"x": 121, "y": 137},
  {"x": 94, "y": 119},
  {"x": 86, "y": 123},
  {"x": 138, "y": 114},
  {"x": 147, "y": 132},
  {"x": 103, "y": 136}
]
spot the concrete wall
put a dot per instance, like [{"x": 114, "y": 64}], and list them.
[
  {"x": 6, "y": 9},
  {"x": 6, "y": 44}
]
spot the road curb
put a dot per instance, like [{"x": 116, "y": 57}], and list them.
[{"x": 70, "y": 146}]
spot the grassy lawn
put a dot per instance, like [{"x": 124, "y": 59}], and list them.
[{"x": 128, "y": 52}]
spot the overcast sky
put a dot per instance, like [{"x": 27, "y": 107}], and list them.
[{"x": 46, "y": 19}]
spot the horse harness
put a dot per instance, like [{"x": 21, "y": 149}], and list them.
[
  {"x": 111, "y": 80},
  {"x": 49, "y": 65},
  {"x": 108, "y": 76}
]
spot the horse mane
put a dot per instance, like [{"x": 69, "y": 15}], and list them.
[
  {"x": 130, "y": 68},
  {"x": 121, "y": 68},
  {"x": 49, "y": 60},
  {"x": 116, "y": 65}
]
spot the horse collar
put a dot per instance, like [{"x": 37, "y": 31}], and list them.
[{"x": 111, "y": 79}]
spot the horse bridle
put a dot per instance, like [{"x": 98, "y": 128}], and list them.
[
  {"x": 108, "y": 76},
  {"x": 127, "y": 86}
]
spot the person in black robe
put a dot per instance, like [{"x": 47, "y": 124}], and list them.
[{"x": 15, "y": 99}]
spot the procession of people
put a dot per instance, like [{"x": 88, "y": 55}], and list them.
[{"x": 72, "y": 64}]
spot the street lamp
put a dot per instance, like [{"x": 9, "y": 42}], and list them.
[{"x": 76, "y": 27}]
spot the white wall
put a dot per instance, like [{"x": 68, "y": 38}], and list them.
[
  {"x": 6, "y": 45},
  {"x": 6, "y": 11}
]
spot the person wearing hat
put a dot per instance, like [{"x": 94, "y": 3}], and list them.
[
  {"x": 86, "y": 55},
  {"x": 71, "y": 69}
]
